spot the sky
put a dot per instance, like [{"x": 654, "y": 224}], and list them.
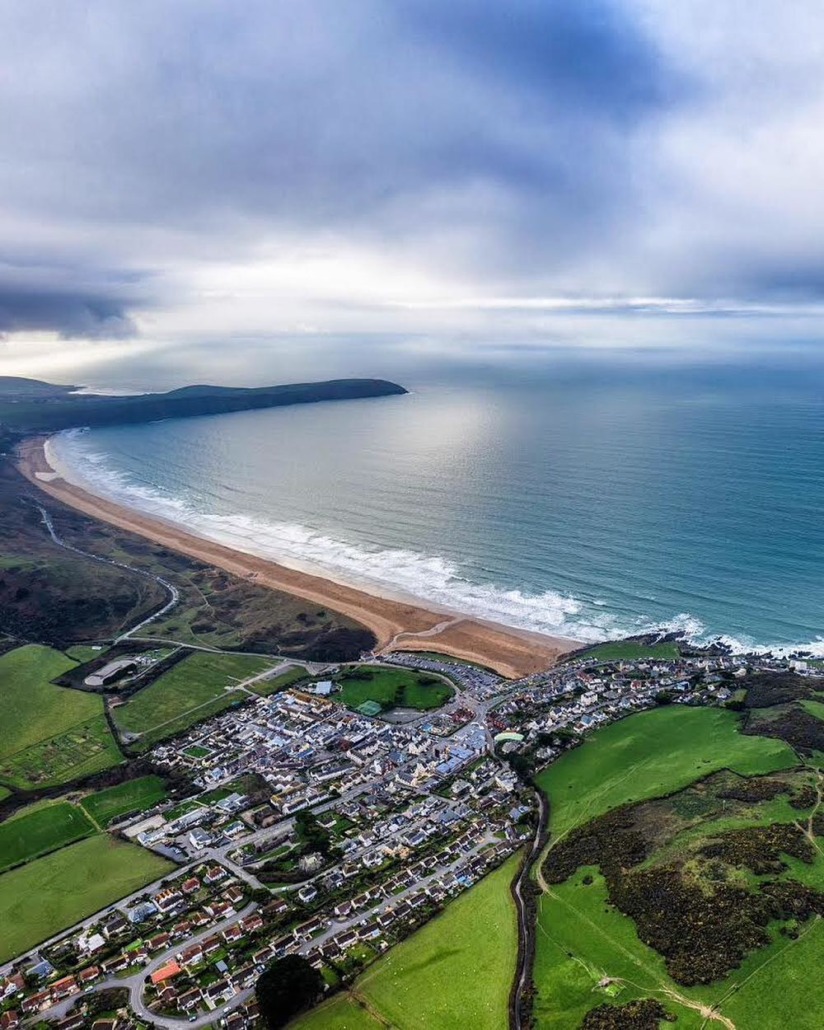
[{"x": 231, "y": 191}]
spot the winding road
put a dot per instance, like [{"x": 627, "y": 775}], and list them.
[
  {"x": 170, "y": 588},
  {"x": 526, "y": 924}
]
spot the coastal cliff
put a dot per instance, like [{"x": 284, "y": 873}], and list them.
[{"x": 31, "y": 407}]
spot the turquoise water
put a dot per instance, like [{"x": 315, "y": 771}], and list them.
[{"x": 582, "y": 501}]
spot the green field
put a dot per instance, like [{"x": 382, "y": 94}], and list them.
[
  {"x": 582, "y": 939},
  {"x": 394, "y": 688},
  {"x": 39, "y": 829},
  {"x": 342, "y": 1012},
  {"x": 50, "y": 734},
  {"x": 651, "y": 754},
  {"x": 49, "y": 894},
  {"x": 455, "y": 972},
  {"x": 631, "y": 651},
  {"x": 580, "y": 942},
  {"x": 84, "y": 652},
  {"x": 132, "y": 796},
  {"x": 196, "y": 688}
]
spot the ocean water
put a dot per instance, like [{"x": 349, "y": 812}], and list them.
[{"x": 579, "y": 500}]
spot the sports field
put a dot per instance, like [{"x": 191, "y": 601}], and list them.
[
  {"x": 132, "y": 796},
  {"x": 651, "y": 754},
  {"x": 194, "y": 689},
  {"x": 50, "y": 734},
  {"x": 395, "y": 688},
  {"x": 39, "y": 829},
  {"x": 454, "y": 973},
  {"x": 51, "y": 893}
]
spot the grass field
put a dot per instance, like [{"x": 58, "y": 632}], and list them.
[
  {"x": 40, "y": 829},
  {"x": 50, "y": 734},
  {"x": 132, "y": 796},
  {"x": 582, "y": 939},
  {"x": 651, "y": 754},
  {"x": 391, "y": 688},
  {"x": 580, "y": 942},
  {"x": 788, "y": 986},
  {"x": 51, "y": 893},
  {"x": 194, "y": 689},
  {"x": 454, "y": 973},
  {"x": 631, "y": 651},
  {"x": 342, "y": 1012},
  {"x": 84, "y": 652}
]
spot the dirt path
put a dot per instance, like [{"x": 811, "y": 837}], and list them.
[
  {"x": 807, "y": 830},
  {"x": 395, "y": 642},
  {"x": 708, "y": 1012}
]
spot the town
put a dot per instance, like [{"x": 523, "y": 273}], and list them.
[{"x": 331, "y": 832}]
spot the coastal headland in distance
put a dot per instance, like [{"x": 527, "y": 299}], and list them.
[{"x": 397, "y": 624}]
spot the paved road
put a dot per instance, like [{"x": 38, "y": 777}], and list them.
[
  {"x": 170, "y": 588},
  {"x": 526, "y": 924},
  {"x": 136, "y": 982}
]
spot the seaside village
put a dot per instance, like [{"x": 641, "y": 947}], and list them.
[{"x": 327, "y": 832}]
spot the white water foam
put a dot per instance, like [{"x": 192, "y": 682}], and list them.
[{"x": 432, "y": 580}]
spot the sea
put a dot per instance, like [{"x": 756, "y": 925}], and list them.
[{"x": 588, "y": 499}]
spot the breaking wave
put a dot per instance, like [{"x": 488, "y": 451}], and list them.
[{"x": 430, "y": 579}]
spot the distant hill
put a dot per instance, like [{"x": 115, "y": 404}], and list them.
[
  {"x": 28, "y": 405},
  {"x": 20, "y": 388}
]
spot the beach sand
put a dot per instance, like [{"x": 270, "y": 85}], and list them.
[{"x": 396, "y": 624}]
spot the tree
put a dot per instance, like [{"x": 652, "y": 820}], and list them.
[{"x": 288, "y": 987}]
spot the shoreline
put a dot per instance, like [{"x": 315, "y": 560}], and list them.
[{"x": 398, "y": 624}]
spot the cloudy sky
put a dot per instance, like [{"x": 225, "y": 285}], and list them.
[{"x": 325, "y": 186}]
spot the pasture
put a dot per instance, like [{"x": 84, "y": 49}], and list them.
[
  {"x": 584, "y": 941},
  {"x": 132, "y": 796},
  {"x": 457, "y": 970},
  {"x": 198, "y": 687},
  {"x": 581, "y": 942},
  {"x": 50, "y": 734},
  {"x": 51, "y": 893},
  {"x": 39, "y": 829},
  {"x": 651, "y": 754},
  {"x": 341, "y": 1012}
]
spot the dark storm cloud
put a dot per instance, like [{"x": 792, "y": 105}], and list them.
[
  {"x": 72, "y": 302},
  {"x": 576, "y": 148},
  {"x": 384, "y": 120}
]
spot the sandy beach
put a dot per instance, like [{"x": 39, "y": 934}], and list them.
[{"x": 396, "y": 624}]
